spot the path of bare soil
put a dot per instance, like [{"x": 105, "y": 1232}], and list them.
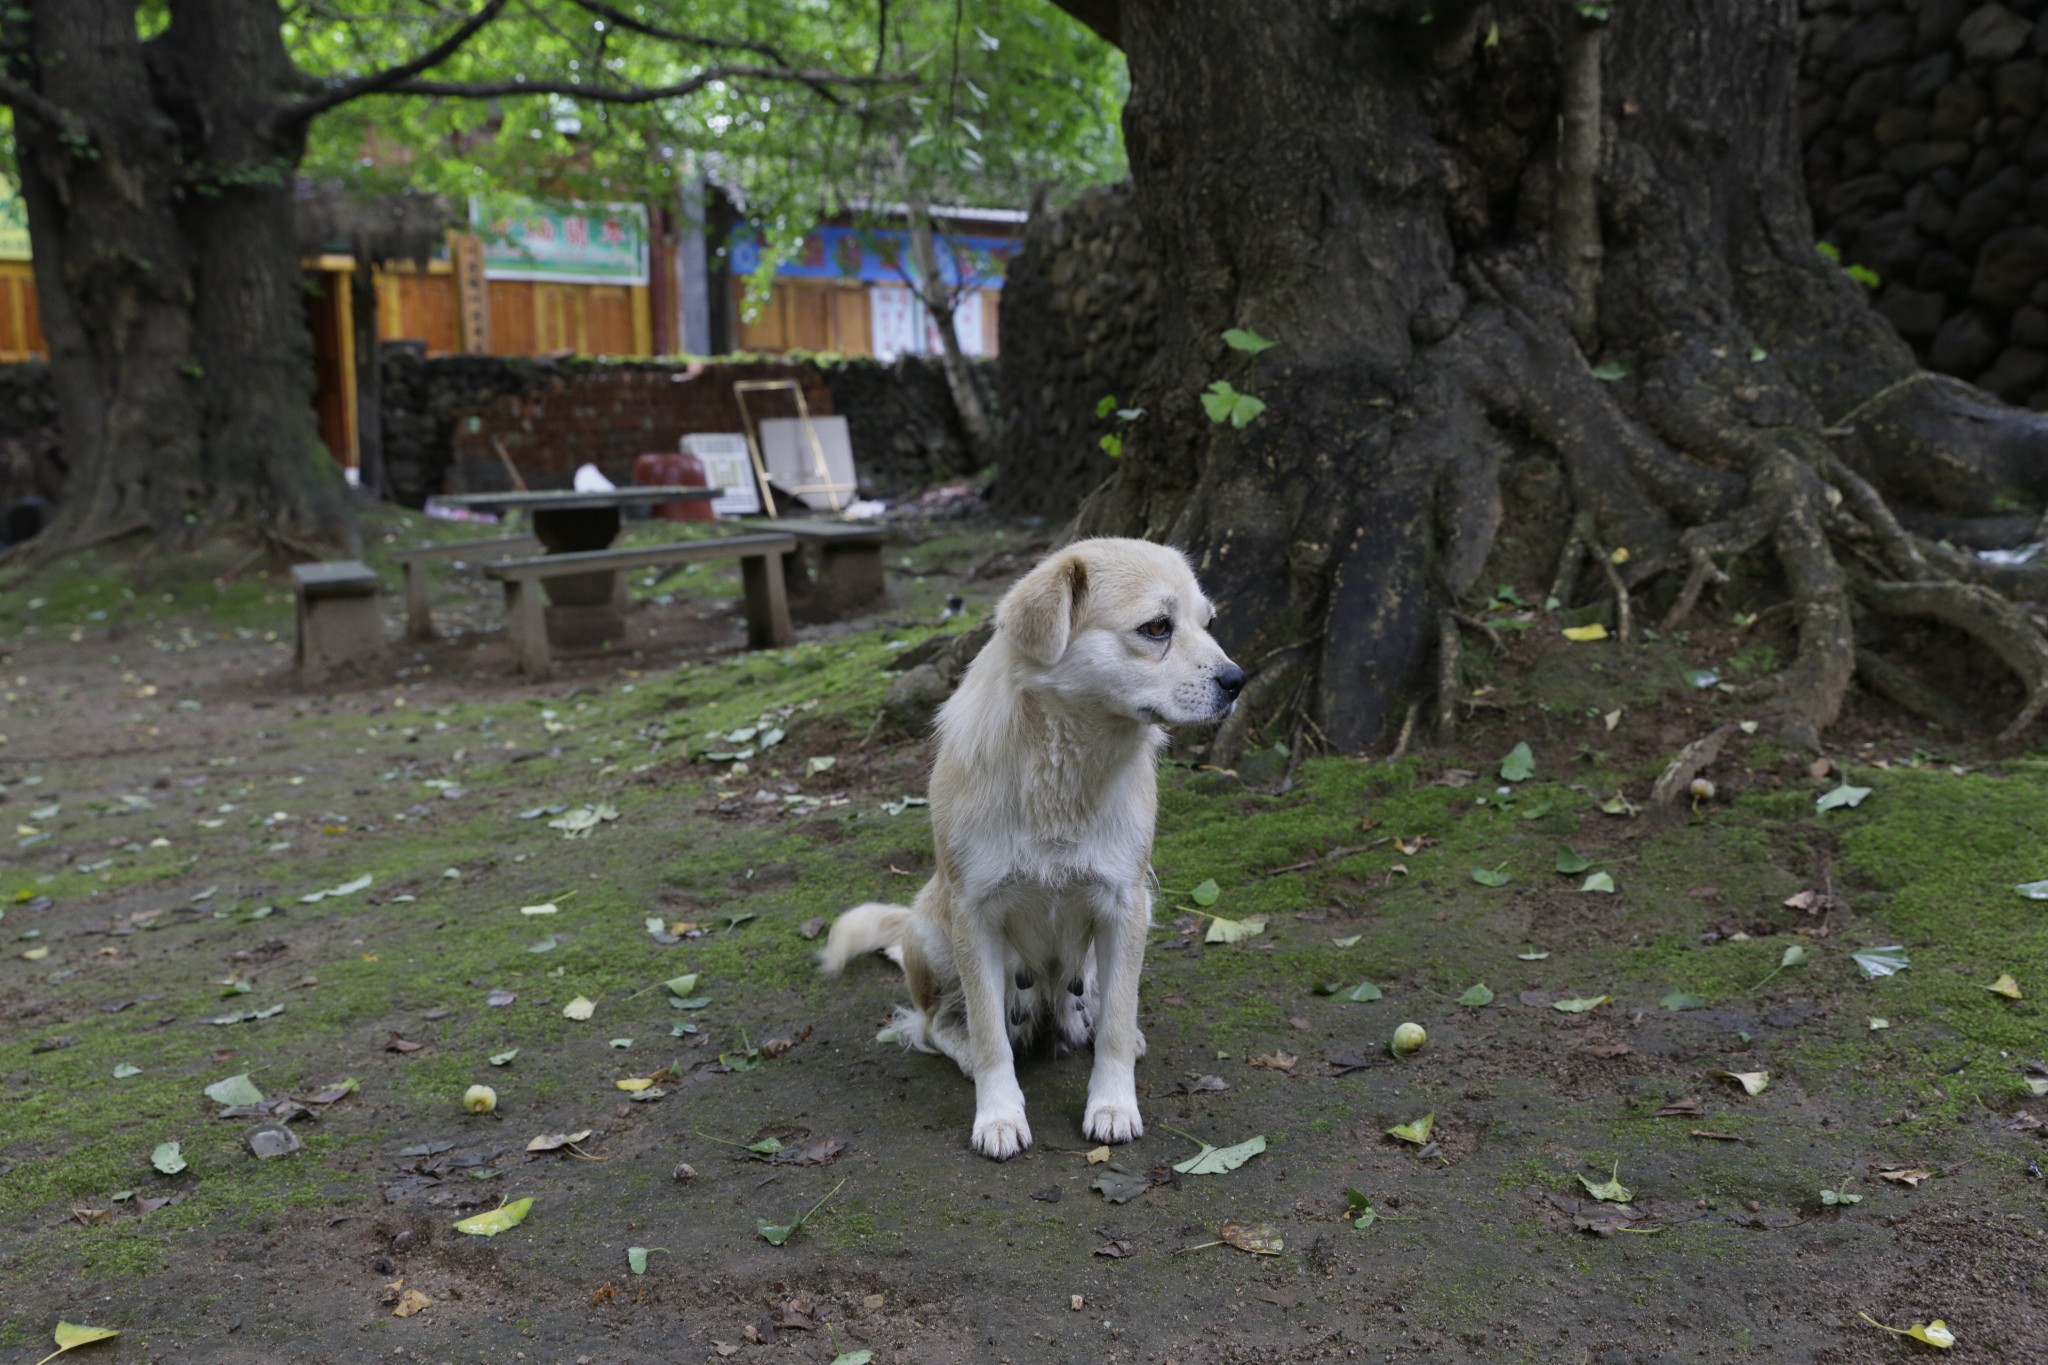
[{"x": 171, "y": 807}]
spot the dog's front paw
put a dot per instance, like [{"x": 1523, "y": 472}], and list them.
[
  {"x": 1001, "y": 1135},
  {"x": 1113, "y": 1121}
]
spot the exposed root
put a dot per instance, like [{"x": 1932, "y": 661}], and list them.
[
  {"x": 1449, "y": 653},
  {"x": 1252, "y": 706},
  {"x": 1901, "y": 688},
  {"x": 1691, "y": 761},
  {"x": 1979, "y": 612}
]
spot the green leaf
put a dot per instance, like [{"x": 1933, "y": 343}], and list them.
[
  {"x": 1218, "y": 400},
  {"x": 1863, "y": 275},
  {"x": 1246, "y": 340},
  {"x": 1758, "y": 354},
  {"x": 1205, "y": 895},
  {"x": 1350, "y": 942},
  {"x": 1610, "y": 371},
  {"x": 1105, "y": 405},
  {"x": 1876, "y": 962},
  {"x": 1839, "y": 1197},
  {"x": 1844, "y": 795},
  {"x": 1477, "y": 996},
  {"x": 1794, "y": 955},
  {"x": 1570, "y": 861},
  {"x": 1532, "y": 956},
  {"x": 853, "y": 1358},
  {"x": 774, "y": 1234},
  {"x": 1217, "y": 1160},
  {"x": 1519, "y": 765},
  {"x": 2033, "y": 891},
  {"x": 167, "y": 1158},
  {"x": 1935, "y": 1333},
  {"x": 681, "y": 985},
  {"x": 501, "y": 1058},
  {"x": 1416, "y": 1132},
  {"x": 1223, "y": 930},
  {"x": 234, "y": 1090},
  {"x": 1679, "y": 1000},
  {"x": 1539, "y": 810},
  {"x": 497, "y": 1220},
  {"x": 124, "y": 1071},
  {"x": 1112, "y": 445},
  {"x": 636, "y": 1257},
  {"x": 1599, "y": 881},
  {"x": 1581, "y": 1004},
  {"x": 1244, "y": 409},
  {"x": 1611, "y": 1189},
  {"x": 1829, "y": 250},
  {"x": 70, "y": 1334},
  {"x": 1364, "y": 993},
  {"x": 767, "y": 1146},
  {"x": 1490, "y": 876}
]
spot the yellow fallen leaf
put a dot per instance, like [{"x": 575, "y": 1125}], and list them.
[
  {"x": 636, "y": 1084},
  {"x": 1596, "y": 631},
  {"x": 1619, "y": 555},
  {"x": 1416, "y": 1132},
  {"x": 549, "y": 908},
  {"x": 497, "y": 1220},
  {"x": 2006, "y": 987},
  {"x": 1259, "y": 1240},
  {"x": 70, "y": 1334},
  {"x": 1909, "y": 1176},
  {"x": 1098, "y": 1156},
  {"x": 35, "y": 954},
  {"x": 1935, "y": 1333},
  {"x": 1752, "y": 1082},
  {"x": 1223, "y": 930},
  {"x": 549, "y": 1142},
  {"x": 410, "y": 1302},
  {"x": 579, "y": 1008}
]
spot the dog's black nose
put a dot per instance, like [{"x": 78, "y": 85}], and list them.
[{"x": 1231, "y": 680}]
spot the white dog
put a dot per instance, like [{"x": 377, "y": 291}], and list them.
[{"x": 1043, "y": 798}]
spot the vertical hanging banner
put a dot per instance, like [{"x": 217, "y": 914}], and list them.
[
  {"x": 565, "y": 243},
  {"x": 472, "y": 293}
]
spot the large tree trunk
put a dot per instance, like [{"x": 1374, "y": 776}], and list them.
[
  {"x": 168, "y": 275},
  {"x": 975, "y": 422},
  {"x": 1447, "y": 215}
]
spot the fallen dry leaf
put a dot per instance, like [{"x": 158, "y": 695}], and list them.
[
  {"x": 1687, "y": 1108},
  {"x": 1275, "y": 1061},
  {"x": 410, "y": 1302},
  {"x": 1605, "y": 1051},
  {"x": 1718, "y": 1137},
  {"x": 1909, "y": 1176}
]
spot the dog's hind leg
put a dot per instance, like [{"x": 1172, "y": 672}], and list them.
[{"x": 1112, "y": 1113}]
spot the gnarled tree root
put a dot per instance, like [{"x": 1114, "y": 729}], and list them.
[{"x": 1977, "y": 611}]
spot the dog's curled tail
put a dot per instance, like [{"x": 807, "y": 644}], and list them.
[{"x": 865, "y": 929}]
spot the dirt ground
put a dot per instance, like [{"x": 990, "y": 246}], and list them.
[{"x": 172, "y": 805}]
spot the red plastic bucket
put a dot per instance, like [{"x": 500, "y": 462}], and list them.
[{"x": 673, "y": 469}]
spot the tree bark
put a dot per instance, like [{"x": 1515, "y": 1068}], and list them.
[
  {"x": 1447, "y": 215},
  {"x": 168, "y": 275}
]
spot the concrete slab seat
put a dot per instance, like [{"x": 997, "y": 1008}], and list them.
[
  {"x": 340, "y": 621},
  {"x": 836, "y": 567},
  {"x": 419, "y": 614},
  {"x": 760, "y": 559}
]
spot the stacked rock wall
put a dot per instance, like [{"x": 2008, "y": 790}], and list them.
[
  {"x": 1925, "y": 127},
  {"x": 447, "y": 417},
  {"x": 1079, "y": 302}
]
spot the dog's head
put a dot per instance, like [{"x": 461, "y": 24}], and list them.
[{"x": 1123, "y": 626}]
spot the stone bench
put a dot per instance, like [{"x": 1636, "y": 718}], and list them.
[
  {"x": 845, "y": 571},
  {"x": 760, "y": 556},
  {"x": 419, "y": 614},
  {"x": 340, "y": 621}
]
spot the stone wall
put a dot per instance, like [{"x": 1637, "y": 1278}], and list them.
[
  {"x": 1077, "y": 323},
  {"x": 1925, "y": 125},
  {"x": 445, "y": 417}
]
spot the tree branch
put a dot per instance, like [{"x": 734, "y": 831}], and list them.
[
  {"x": 611, "y": 94},
  {"x": 24, "y": 100},
  {"x": 378, "y": 82},
  {"x": 618, "y": 18}
]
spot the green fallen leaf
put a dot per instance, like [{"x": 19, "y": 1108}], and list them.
[
  {"x": 234, "y": 1090},
  {"x": 1490, "y": 876},
  {"x": 1935, "y": 1333},
  {"x": 167, "y": 1158},
  {"x": 1476, "y": 996},
  {"x": 1610, "y": 371},
  {"x": 1876, "y": 962},
  {"x": 1351, "y": 942},
  {"x": 1205, "y": 895},
  {"x": 501, "y": 1058},
  {"x": 1217, "y": 1160},
  {"x": 1581, "y": 1004},
  {"x": 1246, "y": 340},
  {"x": 70, "y": 1334},
  {"x": 1223, "y": 930},
  {"x": 1611, "y": 1189},
  {"x": 1792, "y": 957},
  {"x": 1876, "y": 1024},
  {"x": 1570, "y": 862},
  {"x": 579, "y": 1009},
  {"x": 1364, "y": 993},
  {"x": 497, "y": 1220},
  {"x": 853, "y": 1358},
  {"x": 1519, "y": 765},
  {"x": 1532, "y": 956},
  {"x": 1679, "y": 1000},
  {"x": 636, "y": 1257},
  {"x": 1539, "y": 810},
  {"x": 2005, "y": 986},
  {"x": 775, "y": 1234},
  {"x": 1752, "y": 1082},
  {"x": 2033, "y": 891},
  {"x": 1599, "y": 881},
  {"x": 766, "y": 1146},
  {"x": 124, "y": 1071},
  {"x": 1844, "y": 795},
  {"x": 1839, "y": 1197},
  {"x": 1416, "y": 1132}
]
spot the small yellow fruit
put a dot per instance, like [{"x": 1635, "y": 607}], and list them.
[
  {"x": 1408, "y": 1040},
  {"x": 481, "y": 1099}
]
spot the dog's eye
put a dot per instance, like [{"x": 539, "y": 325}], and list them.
[{"x": 1156, "y": 630}]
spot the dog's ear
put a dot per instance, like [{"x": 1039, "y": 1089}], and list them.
[{"x": 1039, "y": 613}]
